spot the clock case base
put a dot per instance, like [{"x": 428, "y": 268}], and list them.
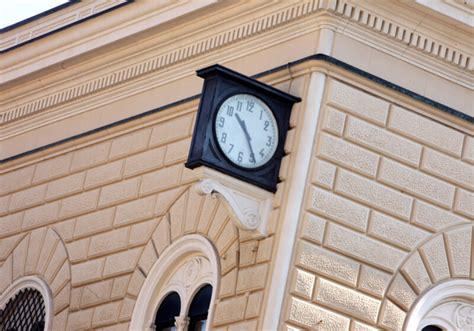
[{"x": 221, "y": 83}]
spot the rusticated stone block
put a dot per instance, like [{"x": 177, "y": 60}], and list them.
[
  {"x": 334, "y": 121},
  {"x": 108, "y": 242},
  {"x": 52, "y": 168},
  {"x": 94, "y": 222},
  {"x": 303, "y": 283},
  {"x": 254, "y": 304},
  {"x": 121, "y": 262},
  {"x": 401, "y": 292},
  {"x": 17, "y": 179},
  {"x": 434, "y": 252},
  {"x": 134, "y": 211},
  {"x": 90, "y": 156},
  {"x": 145, "y": 161},
  {"x": 172, "y": 130},
  {"x": 41, "y": 215},
  {"x": 410, "y": 180},
  {"x": 314, "y": 317},
  {"x": 177, "y": 151},
  {"x": 161, "y": 179},
  {"x": 323, "y": 174},
  {"x": 106, "y": 314},
  {"x": 104, "y": 174},
  {"x": 465, "y": 203},
  {"x": 374, "y": 194},
  {"x": 392, "y": 316},
  {"x": 348, "y": 155},
  {"x": 65, "y": 186},
  {"x": 95, "y": 293},
  {"x": 358, "y": 102},
  {"x": 28, "y": 197},
  {"x": 416, "y": 273},
  {"x": 325, "y": 262},
  {"x": 80, "y": 319},
  {"x": 119, "y": 192},
  {"x": 87, "y": 271},
  {"x": 364, "y": 248},
  {"x": 79, "y": 203},
  {"x": 338, "y": 208},
  {"x": 393, "y": 231},
  {"x": 460, "y": 252},
  {"x": 231, "y": 310},
  {"x": 347, "y": 300},
  {"x": 426, "y": 130},
  {"x": 434, "y": 218},
  {"x": 374, "y": 281},
  {"x": 448, "y": 168},
  {"x": 383, "y": 141},
  {"x": 252, "y": 278},
  {"x": 130, "y": 143}
]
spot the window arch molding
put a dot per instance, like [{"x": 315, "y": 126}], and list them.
[
  {"x": 152, "y": 292},
  {"x": 36, "y": 283},
  {"x": 453, "y": 290}
]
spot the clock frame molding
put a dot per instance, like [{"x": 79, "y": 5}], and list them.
[{"x": 220, "y": 83}]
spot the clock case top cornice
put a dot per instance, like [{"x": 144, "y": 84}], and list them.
[{"x": 154, "y": 55}]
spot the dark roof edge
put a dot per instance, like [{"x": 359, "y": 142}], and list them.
[
  {"x": 318, "y": 57},
  {"x": 377, "y": 80}
]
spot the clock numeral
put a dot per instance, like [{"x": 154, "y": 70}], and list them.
[
  {"x": 223, "y": 137},
  {"x": 221, "y": 122},
  {"x": 252, "y": 158},
  {"x": 250, "y": 105},
  {"x": 262, "y": 152},
  {"x": 231, "y": 148},
  {"x": 230, "y": 110},
  {"x": 266, "y": 124},
  {"x": 261, "y": 113},
  {"x": 240, "y": 157},
  {"x": 239, "y": 105},
  {"x": 269, "y": 141}
]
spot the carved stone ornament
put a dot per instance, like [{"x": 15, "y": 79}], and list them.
[{"x": 248, "y": 205}]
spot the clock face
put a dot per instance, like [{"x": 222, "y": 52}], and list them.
[{"x": 246, "y": 131}]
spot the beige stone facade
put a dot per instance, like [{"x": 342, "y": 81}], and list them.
[{"x": 372, "y": 223}]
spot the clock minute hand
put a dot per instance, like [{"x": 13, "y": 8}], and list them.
[{"x": 247, "y": 136}]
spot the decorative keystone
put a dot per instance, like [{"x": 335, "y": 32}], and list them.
[{"x": 248, "y": 205}]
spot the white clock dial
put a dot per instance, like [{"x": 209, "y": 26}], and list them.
[{"x": 246, "y": 130}]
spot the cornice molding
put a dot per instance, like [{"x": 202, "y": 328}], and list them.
[
  {"x": 46, "y": 25},
  {"x": 425, "y": 45}
]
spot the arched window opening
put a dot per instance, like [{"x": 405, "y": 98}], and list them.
[
  {"x": 431, "y": 328},
  {"x": 169, "y": 309},
  {"x": 199, "y": 309},
  {"x": 24, "y": 311}
]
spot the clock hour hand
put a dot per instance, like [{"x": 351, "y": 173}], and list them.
[{"x": 247, "y": 136}]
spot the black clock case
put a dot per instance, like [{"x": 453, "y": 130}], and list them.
[{"x": 219, "y": 84}]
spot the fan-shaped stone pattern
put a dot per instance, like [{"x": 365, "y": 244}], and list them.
[
  {"x": 191, "y": 213},
  {"x": 41, "y": 252},
  {"x": 446, "y": 255}
]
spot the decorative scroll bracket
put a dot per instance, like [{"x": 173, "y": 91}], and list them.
[{"x": 250, "y": 206}]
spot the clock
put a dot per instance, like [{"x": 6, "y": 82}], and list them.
[
  {"x": 241, "y": 127},
  {"x": 246, "y": 131}
]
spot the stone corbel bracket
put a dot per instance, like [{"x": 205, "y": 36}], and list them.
[{"x": 249, "y": 206}]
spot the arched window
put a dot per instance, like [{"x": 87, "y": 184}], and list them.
[
  {"x": 189, "y": 270},
  {"x": 169, "y": 309},
  {"x": 26, "y": 305},
  {"x": 199, "y": 309},
  {"x": 431, "y": 328},
  {"x": 446, "y": 307},
  {"x": 24, "y": 311}
]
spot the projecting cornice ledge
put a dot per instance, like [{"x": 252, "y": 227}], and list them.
[{"x": 454, "y": 61}]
